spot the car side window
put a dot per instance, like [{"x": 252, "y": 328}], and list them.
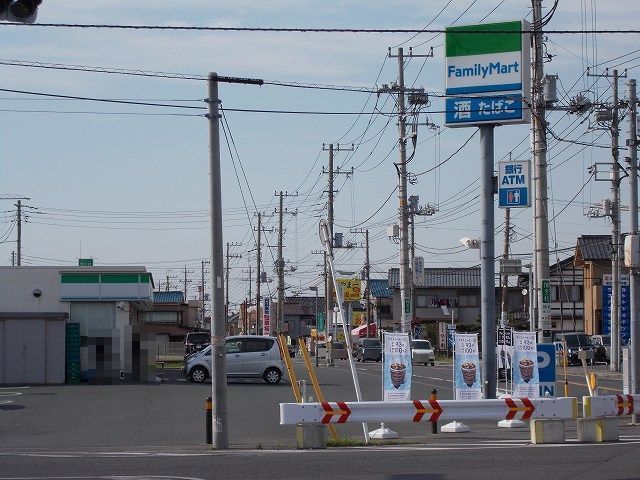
[
  {"x": 208, "y": 353},
  {"x": 233, "y": 346},
  {"x": 257, "y": 345}
]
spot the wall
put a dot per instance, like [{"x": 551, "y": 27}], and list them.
[{"x": 17, "y": 286}]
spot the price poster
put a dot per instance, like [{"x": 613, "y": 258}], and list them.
[
  {"x": 466, "y": 367},
  {"x": 396, "y": 368},
  {"x": 525, "y": 365}
]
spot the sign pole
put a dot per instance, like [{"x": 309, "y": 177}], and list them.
[{"x": 487, "y": 266}]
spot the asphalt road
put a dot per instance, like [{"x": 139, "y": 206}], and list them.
[{"x": 138, "y": 431}]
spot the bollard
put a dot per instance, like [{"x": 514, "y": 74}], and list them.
[
  {"x": 208, "y": 405},
  {"x": 434, "y": 425}
]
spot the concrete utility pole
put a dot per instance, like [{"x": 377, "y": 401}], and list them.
[
  {"x": 401, "y": 167},
  {"x": 331, "y": 172},
  {"x": 280, "y": 260},
  {"x": 634, "y": 281},
  {"x": 541, "y": 211},
  {"x": 186, "y": 281},
  {"x": 258, "y": 275},
  {"x": 226, "y": 277},
  {"x": 19, "y": 205},
  {"x": 218, "y": 328},
  {"x": 615, "y": 234},
  {"x": 505, "y": 277},
  {"x": 367, "y": 279},
  {"x": 220, "y": 418}
]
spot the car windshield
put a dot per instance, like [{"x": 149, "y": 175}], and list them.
[
  {"x": 578, "y": 340},
  {"x": 422, "y": 345},
  {"x": 371, "y": 343}
]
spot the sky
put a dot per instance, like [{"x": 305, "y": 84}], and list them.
[{"x": 128, "y": 184}]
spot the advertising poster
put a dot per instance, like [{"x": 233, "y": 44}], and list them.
[
  {"x": 266, "y": 317},
  {"x": 525, "y": 365},
  {"x": 466, "y": 367},
  {"x": 396, "y": 369}
]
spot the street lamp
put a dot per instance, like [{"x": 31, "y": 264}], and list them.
[{"x": 315, "y": 289}]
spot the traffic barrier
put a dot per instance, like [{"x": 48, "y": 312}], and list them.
[
  {"x": 599, "y": 422},
  {"x": 428, "y": 410},
  {"x": 609, "y": 405}
]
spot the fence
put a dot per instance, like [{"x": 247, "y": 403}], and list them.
[{"x": 170, "y": 351}]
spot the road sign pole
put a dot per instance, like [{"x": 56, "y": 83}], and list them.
[{"x": 487, "y": 266}]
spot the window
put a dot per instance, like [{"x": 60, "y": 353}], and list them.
[
  {"x": 233, "y": 346},
  {"x": 421, "y": 301},
  {"x": 257, "y": 345},
  {"x": 384, "y": 309}
]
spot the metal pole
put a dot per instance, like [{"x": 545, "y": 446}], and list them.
[
  {"x": 505, "y": 276},
  {"x": 412, "y": 259},
  {"x": 405, "y": 285},
  {"x": 633, "y": 226},
  {"x": 226, "y": 285},
  {"x": 541, "y": 225},
  {"x": 218, "y": 334},
  {"x": 614, "y": 365},
  {"x": 19, "y": 205},
  {"x": 258, "y": 279},
  {"x": 487, "y": 265},
  {"x": 280, "y": 309},
  {"x": 329, "y": 314},
  {"x": 317, "y": 329}
]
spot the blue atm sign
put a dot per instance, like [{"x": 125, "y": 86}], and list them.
[{"x": 514, "y": 184}]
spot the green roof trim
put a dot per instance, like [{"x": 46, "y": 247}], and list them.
[
  {"x": 120, "y": 278},
  {"x": 467, "y": 42},
  {"x": 79, "y": 278}
]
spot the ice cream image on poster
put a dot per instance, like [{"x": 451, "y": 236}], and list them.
[
  {"x": 469, "y": 373},
  {"x": 526, "y": 369},
  {"x": 398, "y": 373}
]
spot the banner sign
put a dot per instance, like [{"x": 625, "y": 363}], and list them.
[
  {"x": 266, "y": 317},
  {"x": 451, "y": 331},
  {"x": 466, "y": 367},
  {"x": 396, "y": 367},
  {"x": 442, "y": 336},
  {"x": 487, "y": 73},
  {"x": 504, "y": 349},
  {"x": 418, "y": 270},
  {"x": 624, "y": 303},
  {"x": 525, "y": 365}
]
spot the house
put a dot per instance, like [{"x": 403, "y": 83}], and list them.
[
  {"x": 567, "y": 296},
  {"x": 593, "y": 256},
  {"x": 381, "y": 298},
  {"x": 171, "y": 318}
]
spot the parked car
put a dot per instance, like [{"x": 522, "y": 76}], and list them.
[
  {"x": 195, "y": 342},
  {"x": 369, "y": 349},
  {"x": 422, "y": 352},
  {"x": 575, "y": 342},
  {"x": 603, "y": 347},
  {"x": 247, "y": 356}
]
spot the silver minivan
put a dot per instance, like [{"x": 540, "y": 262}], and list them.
[{"x": 248, "y": 356}]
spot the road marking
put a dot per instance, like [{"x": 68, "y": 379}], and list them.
[{"x": 108, "y": 477}]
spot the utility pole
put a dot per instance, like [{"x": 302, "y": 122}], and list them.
[
  {"x": 186, "y": 281},
  {"x": 280, "y": 261},
  {"x": 331, "y": 172},
  {"x": 367, "y": 276},
  {"x": 612, "y": 209},
  {"x": 13, "y": 259},
  {"x": 540, "y": 212},
  {"x": 505, "y": 276},
  {"x": 258, "y": 274},
  {"x": 326, "y": 294},
  {"x": 634, "y": 281},
  {"x": 401, "y": 167},
  {"x": 226, "y": 277},
  {"x": 19, "y": 205}
]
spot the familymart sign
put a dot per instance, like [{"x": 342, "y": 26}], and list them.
[{"x": 487, "y": 73}]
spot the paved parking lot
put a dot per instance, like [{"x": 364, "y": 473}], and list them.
[{"x": 172, "y": 413}]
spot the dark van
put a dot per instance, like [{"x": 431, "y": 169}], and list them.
[
  {"x": 195, "y": 342},
  {"x": 575, "y": 342}
]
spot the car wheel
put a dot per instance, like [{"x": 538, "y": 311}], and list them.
[
  {"x": 272, "y": 376},
  {"x": 198, "y": 374},
  {"x": 433, "y": 364}
]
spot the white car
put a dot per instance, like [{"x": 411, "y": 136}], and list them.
[
  {"x": 247, "y": 356},
  {"x": 422, "y": 352}
]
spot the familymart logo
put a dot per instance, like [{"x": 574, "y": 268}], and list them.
[{"x": 480, "y": 70}]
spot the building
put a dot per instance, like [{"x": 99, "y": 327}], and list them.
[
  {"x": 170, "y": 317},
  {"x": 381, "y": 298},
  {"x": 73, "y": 323},
  {"x": 593, "y": 256},
  {"x": 567, "y": 296}
]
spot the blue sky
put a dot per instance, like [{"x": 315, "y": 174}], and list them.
[{"x": 126, "y": 188}]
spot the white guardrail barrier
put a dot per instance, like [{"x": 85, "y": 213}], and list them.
[
  {"x": 609, "y": 405},
  {"x": 429, "y": 410}
]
